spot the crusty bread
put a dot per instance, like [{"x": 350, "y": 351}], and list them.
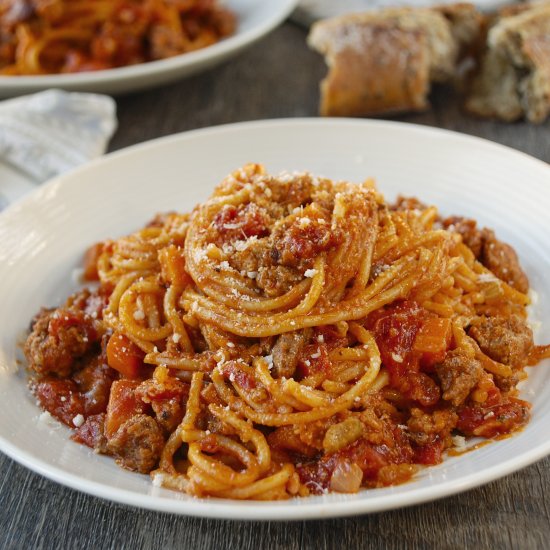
[
  {"x": 385, "y": 61},
  {"x": 467, "y": 26},
  {"x": 514, "y": 76}
]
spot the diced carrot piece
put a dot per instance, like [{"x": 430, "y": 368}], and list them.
[
  {"x": 123, "y": 404},
  {"x": 124, "y": 356},
  {"x": 91, "y": 256},
  {"x": 432, "y": 341},
  {"x": 172, "y": 265},
  {"x": 434, "y": 336}
]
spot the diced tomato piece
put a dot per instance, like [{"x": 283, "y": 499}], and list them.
[
  {"x": 329, "y": 335},
  {"x": 430, "y": 453},
  {"x": 60, "y": 398},
  {"x": 232, "y": 372},
  {"x": 494, "y": 396},
  {"x": 493, "y": 420},
  {"x": 245, "y": 221},
  {"x": 313, "y": 359},
  {"x": 395, "y": 329},
  {"x": 301, "y": 242},
  {"x": 124, "y": 356},
  {"x": 123, "y": 404},
  {"x": 171, "y": 388},
  {"x": 91, "y": 432},
  {"x": 94, "y": 384},
  {"x": 411, "y": 340}
]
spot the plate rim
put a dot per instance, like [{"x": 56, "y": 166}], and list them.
[
  {"x": 314, "y": 507},
  {"x": 225, "y": 509},
  {"x": 153, "y": 143}
]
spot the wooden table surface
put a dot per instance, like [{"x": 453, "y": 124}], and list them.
[{"x": 278, "y": 78}]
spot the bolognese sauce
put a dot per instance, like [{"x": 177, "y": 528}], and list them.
[{"x": 290, "y": 336}]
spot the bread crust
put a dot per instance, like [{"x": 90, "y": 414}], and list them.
[
  {"x": 393, "y": 77},
  {"x": 514, "y": 77},
  {"x": 385, "y": 61}
]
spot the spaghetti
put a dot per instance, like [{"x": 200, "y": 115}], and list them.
[
  {"x": 291, "y": 336},
  {"x": 67, "y": 36}
]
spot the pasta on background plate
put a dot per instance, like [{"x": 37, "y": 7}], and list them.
[
  {"x": 71, "y": 36},
  {"x": 290, "y": 336}
]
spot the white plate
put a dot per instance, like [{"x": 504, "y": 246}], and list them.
[
  {"x": 13, "y": 184},
  {"x": 255, "y": 19},
  {"x": 44, "y": 235}
]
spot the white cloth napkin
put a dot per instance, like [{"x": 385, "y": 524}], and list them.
[{"x": 50, "y": 132}]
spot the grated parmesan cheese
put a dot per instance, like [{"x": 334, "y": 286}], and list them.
[
  {"x": 459, "y": 441},
  {"x": 158, "y": 478},
  {"x": 486, "y": 278},
  {"x": 221, "y": 361},
  {"x": 269, "y": 361},
  {"x": 139, "y": 315},
  {"x": 243, "y": 245},
  {"x": 78, "y": 420},
  {"x": 227, "y": 248},
  {"x": 310, "y": 273}
]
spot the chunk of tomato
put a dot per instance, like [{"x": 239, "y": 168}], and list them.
[{"x": 123, "y": 404}]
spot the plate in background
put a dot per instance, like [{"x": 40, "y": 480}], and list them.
[
  {"x": 45, "y": 234},
  {"x": 255, "y": 18},
  {"x": 309, "y": 11}
]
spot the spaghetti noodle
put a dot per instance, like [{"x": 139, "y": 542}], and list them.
[
  {"x": 67, "y": 36},
  {"x": 292, "y": 335}
]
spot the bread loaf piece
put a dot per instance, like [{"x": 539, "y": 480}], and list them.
[
  {"x": 385, "y": 61},
  {"x": 514, "y": 76}
]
